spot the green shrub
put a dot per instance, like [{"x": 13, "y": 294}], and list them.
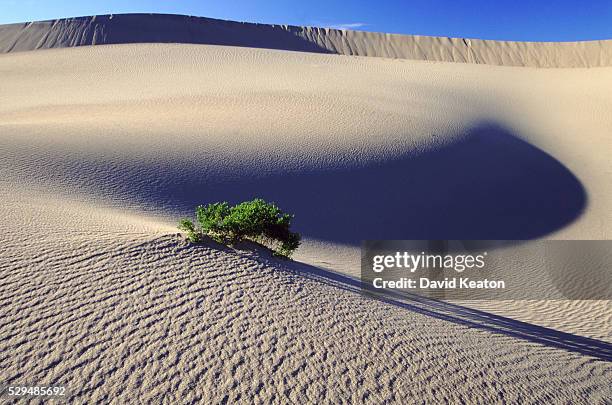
[
  {"x": 187, "y": 225},
  {"x": 255, "y": 220},
  {"x": 211, "y": 217}
]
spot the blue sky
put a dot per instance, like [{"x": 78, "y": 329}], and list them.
[{"x": 522, "y": 20}]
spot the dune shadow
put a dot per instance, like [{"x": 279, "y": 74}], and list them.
[
  {"x": 158, "y": 28},
  {"x": 138, "y": 28},
  {"x": 488, "y": 185}
]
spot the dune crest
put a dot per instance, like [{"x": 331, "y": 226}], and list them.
[{"x": 167, "y": 28}]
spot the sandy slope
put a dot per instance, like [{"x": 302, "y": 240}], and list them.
[
  {"x": 149, "y": 318},
  {"x": 102, "y": 148}
]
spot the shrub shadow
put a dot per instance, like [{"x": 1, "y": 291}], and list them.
[
  {"x": 471, "y": 318},
  {"x": 436, "y": 308}
]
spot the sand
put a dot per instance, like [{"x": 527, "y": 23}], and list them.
[{"x": 103, "y": 148}]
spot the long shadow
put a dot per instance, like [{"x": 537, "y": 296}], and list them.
[
  {"x": 457, "y": 314},
  {"x": 488, "y": 185}
]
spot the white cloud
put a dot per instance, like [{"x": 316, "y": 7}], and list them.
[{"x": 347, "y": 26}]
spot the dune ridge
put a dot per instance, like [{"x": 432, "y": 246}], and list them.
[{"x": 166, "y": 28}]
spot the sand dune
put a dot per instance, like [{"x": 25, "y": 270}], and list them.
[
  {"x": 139, "y": 28},
  {"x": 104, "y": 147}
]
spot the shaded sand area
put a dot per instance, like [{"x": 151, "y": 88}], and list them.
[{"x": 103, "y": 148}]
